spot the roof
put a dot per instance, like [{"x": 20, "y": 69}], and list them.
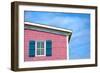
[{"x": 46, "y": 28}]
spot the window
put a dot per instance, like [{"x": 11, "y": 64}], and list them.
[{"x": 40, "y": 48}]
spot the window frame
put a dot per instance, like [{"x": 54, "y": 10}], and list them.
[{"x": 37, "y": 48}]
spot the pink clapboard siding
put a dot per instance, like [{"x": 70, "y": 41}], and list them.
[{"x": 59, "y": 45}]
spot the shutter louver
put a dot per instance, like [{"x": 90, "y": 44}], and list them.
[
  {"x": 31, "y": 48},
  {"x": 48, "y": 48}
]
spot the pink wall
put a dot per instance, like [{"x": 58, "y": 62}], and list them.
[{"x": 59, "y": 50}]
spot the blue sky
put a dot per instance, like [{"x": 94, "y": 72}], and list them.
[{"x": 79, "y": 46}]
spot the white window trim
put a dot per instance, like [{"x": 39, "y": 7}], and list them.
[{"x": 44, "y": 48}]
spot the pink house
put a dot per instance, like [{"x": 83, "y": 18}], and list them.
[{"x": 42, "y": 42}]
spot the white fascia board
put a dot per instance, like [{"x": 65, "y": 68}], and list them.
[{"x": 50, "y": 27}]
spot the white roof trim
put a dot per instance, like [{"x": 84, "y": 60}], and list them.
[{"x": 45, "y": 26}]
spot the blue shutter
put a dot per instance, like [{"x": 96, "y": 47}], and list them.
[
  {"x": 48, "y": 48},
  {"x": 31, "y": 48}
]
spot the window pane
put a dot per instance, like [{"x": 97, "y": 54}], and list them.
[
  {"x": 42, "y": 44},
  {"x": 38, "y": 52},
  {"x": 38, "y": 44},
  {"x": 42, "y": 51}
]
